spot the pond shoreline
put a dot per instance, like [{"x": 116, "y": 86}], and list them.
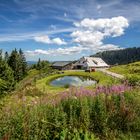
[
  {"x": 101, "y": 78},
  {"x": 77, "y": 81}
]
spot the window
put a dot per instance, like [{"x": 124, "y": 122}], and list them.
[{"x": 95, "y": 62}]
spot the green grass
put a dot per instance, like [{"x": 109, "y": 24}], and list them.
[
  {"x": 130, "y": 71},
  {"x": 26, "y": 115},
  {"x": 87, "y": 118},
  {"x": 132, "y": 68},
  {"x": 44, "y": 84},
  {"x": 42, "y": 89},
  {"x": 28, "y": 79}
]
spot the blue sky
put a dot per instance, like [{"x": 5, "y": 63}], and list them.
[{"x": 68, "y": 29}]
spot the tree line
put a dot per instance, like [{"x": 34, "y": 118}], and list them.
[
  {"x": 13, "y": 68},
  {"x": 41, "y": 65},
  {"x": 123, "y": 56}
]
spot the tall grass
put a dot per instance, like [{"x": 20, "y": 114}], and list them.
[{"x": 80, "y": 114}]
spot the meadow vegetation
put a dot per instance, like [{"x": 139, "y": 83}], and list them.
[
  {"x": 130, "y": 71},
  {"x": 103, "y": 113},
  {"x": 32, "y": 109},
  {"x": 44, "y": 83}
]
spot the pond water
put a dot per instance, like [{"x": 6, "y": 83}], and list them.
[{"x": 73, "y": 81}]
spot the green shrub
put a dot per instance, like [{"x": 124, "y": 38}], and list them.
[
  {"x": 66, "y": 86},
  {"x": 133, "y": 80}
]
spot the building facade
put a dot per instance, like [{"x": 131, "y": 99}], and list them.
[
  {"x": 90, "y": 63},
  {"x": 63, "y": 65}
]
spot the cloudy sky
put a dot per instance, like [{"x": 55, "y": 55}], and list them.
[{"x": 68, "y": 29}]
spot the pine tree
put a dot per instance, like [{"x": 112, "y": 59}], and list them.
[
  {"x": 6, "y": 56},
  {"x": 18, "y": 64},
  {"x": 39, "y": 64},
  {"x": 23, "y": 63},
  {"x": 0, "y": 54},
  {"x": 12, "y": 68},
  {"x": 7, "y": 82},
  {"x": 14, "y": 63}
]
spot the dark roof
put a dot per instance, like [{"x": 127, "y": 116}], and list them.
[{"x": 61, "y": 63}]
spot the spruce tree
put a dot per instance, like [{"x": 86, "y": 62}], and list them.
[
  {"x": 14, "y": 63},
  {"x": 0, "y": 54},
  {"x": 6, "y": 56},
  {"x": 7, "y": 82},
  {"x": 23, "y": 63},
  {"x": 17, "y": 62},
  {"x": 39, "y": 64}
]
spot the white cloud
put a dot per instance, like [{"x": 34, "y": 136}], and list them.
[
  {"x": 53, "y": 27},
  {"x": 92, "y": 32},
  {"x": 58, "y": 41},
  {"x": 108, "y": 47},
  {"x": 89, "y": 36},
  {"x": 59, "y": 51},
  {"x": 114, "y": 26},
  {"x": 99, "y": 7},
  {"x": 65, "y": 14},
  {"x": 43, "y": 39},
  {"x": 47, "y": 40},
  {"x": 31, "y": 35}
]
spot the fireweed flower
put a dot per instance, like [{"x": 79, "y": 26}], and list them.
[{"x": 75, "y": 93}]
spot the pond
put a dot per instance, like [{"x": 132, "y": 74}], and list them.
[{"x": 73, "y": 81}]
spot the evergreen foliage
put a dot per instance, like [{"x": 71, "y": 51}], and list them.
[
  {"x": 6, "y": 56},
  {"x": 41, "y": 65},
  {"x": 123, "y": 56},
  {"x": 6, "y": 76},
  {"x": 23, "y": 63},
  {"x": 13, "y": 68},
  {"x": 18, "y": 64}
]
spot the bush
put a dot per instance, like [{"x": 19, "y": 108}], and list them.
[{"x": 133, "y": 80}]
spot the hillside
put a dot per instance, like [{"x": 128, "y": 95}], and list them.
[
  {"x": 131, "y": 71},
  {"x": 124, "y": 56},
  {"x": 131, "y": 68},
  {"x": 31, "y": 107}
]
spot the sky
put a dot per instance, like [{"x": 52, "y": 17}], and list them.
[{"x": 68, "y": 29}]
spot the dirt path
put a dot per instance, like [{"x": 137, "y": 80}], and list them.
[{"x": 115, "y": 75}]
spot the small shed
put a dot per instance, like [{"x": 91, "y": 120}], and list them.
[{"x": 63, "y": 65}]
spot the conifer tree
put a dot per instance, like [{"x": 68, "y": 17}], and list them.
[
  {"x": 17, "y": 62},
  {"x": 7, "y": 82},
  {"x": 6, "y": 56},
  {"x": 23, "y": 63},
  {"x": 0, "y": 54},
  {"x": 14, "y": 63},
  {"x": 39, "y": 64}
]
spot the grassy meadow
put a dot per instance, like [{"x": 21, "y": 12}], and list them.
[
  {"x": 102, "y": 79},
  {"x": 36, "y": 110},
  {"x": 130, "y": 71}
]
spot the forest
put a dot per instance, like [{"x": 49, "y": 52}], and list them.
[
  {"x": 14, "y": 68},
  {"x": 122, "y": 56}
]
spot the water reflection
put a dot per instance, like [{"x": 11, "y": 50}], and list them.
[{"x": 73, "y": 81}]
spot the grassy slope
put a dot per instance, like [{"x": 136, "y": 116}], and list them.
[
  {"x": 28, "y": 79},
  {"x": 31, "y": 94},
  {"x": 44, "y": 84},
  {"x": 42, "y": 88},
  {"x": 130, "y": 69}
]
